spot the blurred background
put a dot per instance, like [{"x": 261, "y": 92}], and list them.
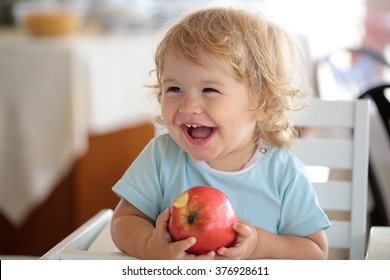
[{"x": 75, "y": 112}]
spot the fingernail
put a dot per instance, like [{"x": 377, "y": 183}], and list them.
[{"x": 193, "y": 239}]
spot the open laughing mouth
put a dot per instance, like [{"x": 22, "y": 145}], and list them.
[{"x": 198, "y": 134}]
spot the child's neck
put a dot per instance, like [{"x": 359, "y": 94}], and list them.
[{"x": 235, "y": 161}]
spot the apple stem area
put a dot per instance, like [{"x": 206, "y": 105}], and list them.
[{"x": 191, "y": 217}]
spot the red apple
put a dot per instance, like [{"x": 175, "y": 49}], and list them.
[{"x": 205, "y": 213}]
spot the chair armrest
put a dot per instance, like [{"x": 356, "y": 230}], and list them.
[
  {"x": 81, "y": 238},
  {"x": 91, "y": 241},
  {"x": 378, "y": 243}
]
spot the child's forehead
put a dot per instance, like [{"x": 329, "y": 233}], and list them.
[
  {"x": 197, "y": 56},
  {"x": 214, "y": 68}
]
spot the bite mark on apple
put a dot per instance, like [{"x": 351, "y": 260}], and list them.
[{"x": 181, "y": 200}]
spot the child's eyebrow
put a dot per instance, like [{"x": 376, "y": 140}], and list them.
[
  {"x": 168, "y": 80},
  {"x": 212, "y": 82}
]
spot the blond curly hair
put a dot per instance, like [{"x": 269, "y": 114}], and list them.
[{"x": 256, "y": 52}]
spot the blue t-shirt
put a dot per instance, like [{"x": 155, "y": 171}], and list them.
[{"x": 272, "y": 193}]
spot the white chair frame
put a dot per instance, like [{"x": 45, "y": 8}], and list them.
[{"x": 349, "y": 153}]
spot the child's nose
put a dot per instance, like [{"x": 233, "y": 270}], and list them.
[{"x": 190, "y": 105}]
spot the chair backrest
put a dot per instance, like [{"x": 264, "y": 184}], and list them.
[{"x": 346, "y": 197}]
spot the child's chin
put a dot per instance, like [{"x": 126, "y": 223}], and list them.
[{"x": 197, "y": 156}]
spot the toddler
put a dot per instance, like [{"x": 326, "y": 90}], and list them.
[{"x": 228, "y": 82}]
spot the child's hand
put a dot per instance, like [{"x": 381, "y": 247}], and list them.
[
  {"x": 244, "y": 245},
  {"x": 161, "y": 245}
]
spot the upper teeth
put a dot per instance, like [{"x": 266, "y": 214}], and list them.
[{"x": 192, "y": 125}]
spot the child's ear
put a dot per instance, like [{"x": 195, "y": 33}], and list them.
[
  {"x": 260, "y": 114},
  {"x": 260, "y": 111}
]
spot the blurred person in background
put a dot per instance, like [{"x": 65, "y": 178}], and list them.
[
  {"x": 377, "y": 25},
  {"x": 346, "y": 74}
]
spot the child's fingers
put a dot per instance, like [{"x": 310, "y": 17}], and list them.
[
  {"x": 209, "y": 256},
  {"x": 183, "y": 245},
  {"x": 162, "y": 220},
  {"x": 165, "y": 215},
  {"x": 242, "y": 229},
  {"x": 162, "y": 226},
  {"x": 231, "y": 253}
]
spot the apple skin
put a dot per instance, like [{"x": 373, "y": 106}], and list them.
[{"x": 205, "y": 213}]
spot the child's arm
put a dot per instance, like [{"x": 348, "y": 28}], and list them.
[
  {"x": 136, "y": 234},
  {"x": 256, "y": 243}
]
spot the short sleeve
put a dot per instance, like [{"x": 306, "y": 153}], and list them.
[
  {"x": 301, "y": 213},
  {"x": 140, "y": 185}
]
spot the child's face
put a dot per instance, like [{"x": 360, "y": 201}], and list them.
[{"x": 208, "y": 112}]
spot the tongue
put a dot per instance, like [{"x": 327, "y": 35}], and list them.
[{"x": 202, "y": 132}]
